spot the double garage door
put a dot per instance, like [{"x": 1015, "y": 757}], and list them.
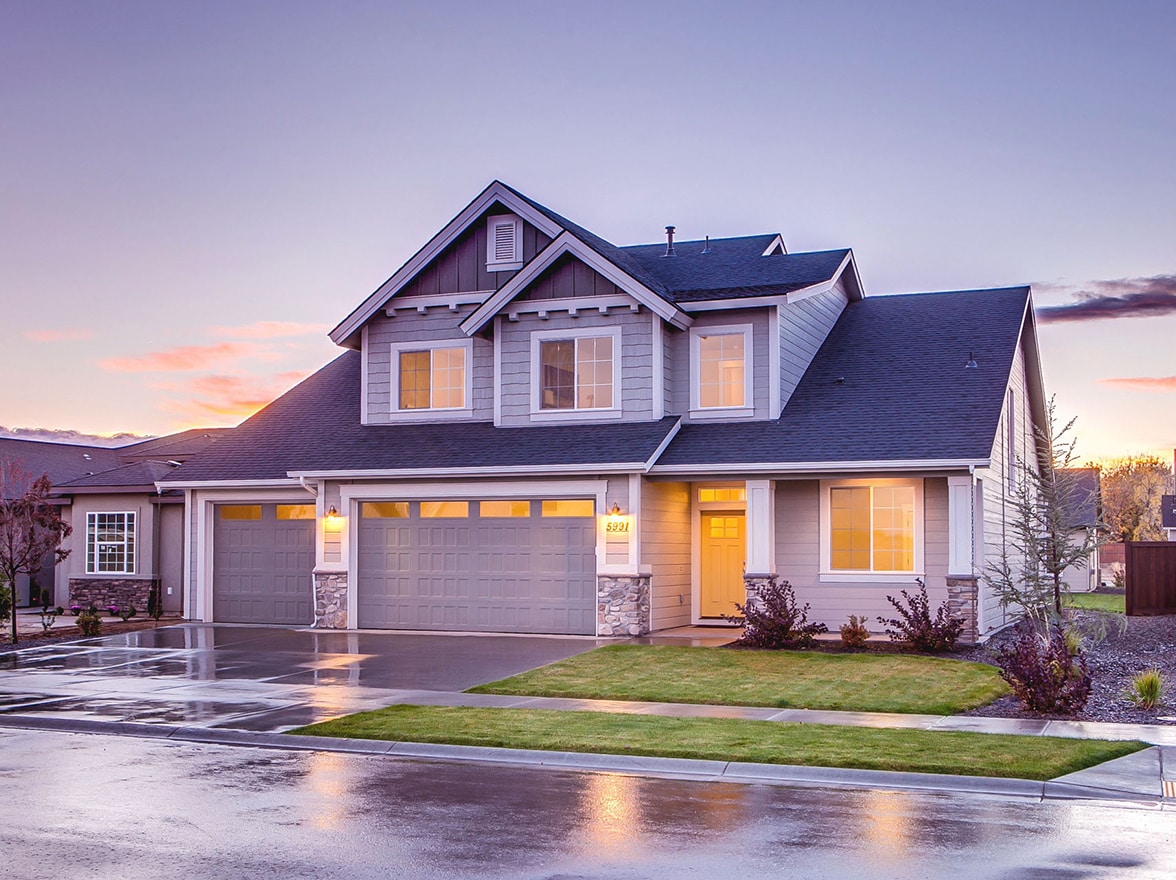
[
  {"x": 492, "y": 566},
  {"x": 476, "y": 565}
]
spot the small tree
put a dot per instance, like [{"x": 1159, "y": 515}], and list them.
[
  {"x": 1132, "y": 489},
  {"x": 1044, "y": 539},
  {"x": 31, "y": 528}
]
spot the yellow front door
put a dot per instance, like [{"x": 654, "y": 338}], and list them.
[{"x": 724, "y": 550}]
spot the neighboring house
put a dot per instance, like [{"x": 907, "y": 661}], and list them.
[
  {"x": 1086, "y": 523},
  {"x": 1168, "y": 516},
  {"x": 127, "y": 532},
  {"x": 533, "y": 430}
]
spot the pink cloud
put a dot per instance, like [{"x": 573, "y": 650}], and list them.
[
  {"x": 182, "y": 358},
  {"x": 228, "y": 397},
  {"x": 1143, "y": 383},
  {"x": 269, "y": 330},
  {"x": 62, "y": 334}
]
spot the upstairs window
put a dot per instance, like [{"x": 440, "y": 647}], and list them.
[
  {"x": 110, "y": 543},
  {"x": 504, "y": 243},
  {"x": 431, "y": 378},
  {"x": 576, "y": 373},
  {"x": 721, "y": 371}
]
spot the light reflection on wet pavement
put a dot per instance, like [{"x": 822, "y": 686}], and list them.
[{"x": 99, "y": 806}]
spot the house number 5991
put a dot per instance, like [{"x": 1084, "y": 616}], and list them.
[{"x": 622, "y": 526}]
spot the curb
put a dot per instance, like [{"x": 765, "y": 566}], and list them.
[{"x": 732, "y": 772}]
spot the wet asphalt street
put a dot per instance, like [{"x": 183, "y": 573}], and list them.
[{"x": 94, "y": 806}]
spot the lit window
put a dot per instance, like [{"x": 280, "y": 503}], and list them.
[
  {"x": 872, "y": 528},
  {"x": 110, "y": 543},
  {"x": 721, "y": 370},
  {"x": 296, "y": 511},
  {"x": 569, "y": 507},
  {"x": 433, "y": 378},
  {"x": 240, "y": 511},
  {"x": 722, "y": 494},
  {"x": 384, "y": 510},
  {"x": 576, "y": 373},
  {"x": 445, "y": 509},
  {"x": 504, "y": 509}
]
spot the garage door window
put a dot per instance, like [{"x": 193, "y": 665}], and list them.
[
  {"x": 569, "y": 507},
  {"x": 385, "y": 510},
  {"x": 295, "y": 511},
  {"x": 504, "y": 509},
  {"x": 240, "y": 511},
  {"x": 445, "y": 509}
]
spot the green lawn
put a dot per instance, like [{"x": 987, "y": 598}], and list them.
[
  {"x": 723, "y": 739},
  {"x": 787, "y": 679},
  {"x": 1097, "y": 602}
]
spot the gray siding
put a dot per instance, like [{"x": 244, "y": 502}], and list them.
[
  {"x": 803, "y": 327},
  {"x": 568, "y": 278},
  {"x": 437, "y": 324},
  {"x": 74, "y": 565},
  {"x": 636, "y": 379},
  {"x": 798, "y": 557},
  {"x": 678, "y": 350},
  {"x": 462, "y": 265},
  {"x": 665, "y": 546}
]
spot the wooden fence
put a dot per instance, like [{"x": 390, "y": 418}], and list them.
[{"x": 1151, "y": 577}]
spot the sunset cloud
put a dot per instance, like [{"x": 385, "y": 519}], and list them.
[
  {"x": 1123, "y": 298},
  {"x": 269, "y": 330},
  {"x": 60, "y": 334},
  {"x": 180, "y": 359},
  {"x": 227, "y": 398},
  {"x": 1143, "y": 383}
]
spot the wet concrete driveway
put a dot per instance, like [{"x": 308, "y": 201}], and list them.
[{"x": 256, "y": 678}]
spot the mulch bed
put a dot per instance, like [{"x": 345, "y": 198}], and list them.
[{"x": 66, "y": 632}]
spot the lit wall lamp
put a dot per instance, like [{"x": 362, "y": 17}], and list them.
[
  {"x": 332, "y": 513},
  {"x": 615, "y": 510}
]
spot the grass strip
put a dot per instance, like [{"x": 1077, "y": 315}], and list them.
[
  {"x": 724, "y": 739},
  {"x": 906, "y": 683},
  {"x": 1097, "y": 602}
]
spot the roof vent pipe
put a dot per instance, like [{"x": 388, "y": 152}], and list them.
[
  {"x": 669, "y": 242},
  {"x": 706, "y": 245}
]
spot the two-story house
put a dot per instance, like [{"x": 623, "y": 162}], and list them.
[{"x": 534, "y": 430}]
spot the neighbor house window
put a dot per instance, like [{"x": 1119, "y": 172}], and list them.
[
  {"x": 721, "y": 368},
  {"x": 431, "y": 378},
  {"x": 873, "y": 528},
  {"x": 110, "y": 543},
  {"x": 574, "y": 373}
]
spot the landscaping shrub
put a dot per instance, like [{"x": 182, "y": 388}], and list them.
[
  {"x": 89, "y": 622},
  {"x": 915, "y": 627},
  {"x": 5, "y": 603},
  {"x": 155, "y": 602},
  {"x": 1146, "y": 688},
  {"x": 773, "y": 620},
  {"x": 1047, "y": 671},
  {"x": 854, "y": 634}
]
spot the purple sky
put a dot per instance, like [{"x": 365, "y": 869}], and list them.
[{"x": 191, "y": 195}]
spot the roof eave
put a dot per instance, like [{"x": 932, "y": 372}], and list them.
[{"x": 821, "y": 467}]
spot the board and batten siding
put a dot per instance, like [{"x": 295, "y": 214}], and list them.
[
  {"x": 437, "y": 324},
  {"x": 678, "y": 349},
  {"x": 665, "y": 545},
  {"x": 798, "y": 557},
  {"x": 461, "y": 267},
  {"x": 997, "y": 503},
  {"x": 635, "y": 382},
  {"x": 803, "y": 328},
  {"x": 569, "y": 278}
]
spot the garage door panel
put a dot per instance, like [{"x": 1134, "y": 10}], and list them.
[
  {"x": 498, "y": 573},
  {"x": 263, "y": 568}
]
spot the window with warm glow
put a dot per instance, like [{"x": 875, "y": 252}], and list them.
[
  {"x": 721, "y": 371},
  {"x": 110, "y": 543},
  {"x": 384, "y": 510},
  {"x": 433, "y": 378},
  {"x": 569, "y": 507},
  {"x": 504, "y": 509},
  {"x": 872, "y": 528},
  {"x": 445, "y": 509},
  {"x": 295, "y": 511},
  {"x": 576, "y": 373},
  {"x": 707, "y": 495}
]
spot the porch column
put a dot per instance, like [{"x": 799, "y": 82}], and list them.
[
  {"x": 963, "y": 585},
  {"x": 760, "y": 565}
]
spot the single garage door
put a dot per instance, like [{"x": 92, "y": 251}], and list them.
[
  {"x": 263, "y": 563},
  {"x": 489, "y": 566}
]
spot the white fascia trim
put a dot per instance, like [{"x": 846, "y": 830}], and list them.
[
  {"x": 488, "y": 471},
  {"x": 567, "y": 243},
  {"x": 774, "y": 299},
  {"x": 501, "y": 489},
  {"x": 230, "y": 484},
  {"x": 818, "y": 467},
  {"x": 495, "y": 192},
  {"x": 451, "y": 301},
  {"x": 777, "y": 241}
]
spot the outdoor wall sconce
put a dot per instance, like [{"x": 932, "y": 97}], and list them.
[
  {"x": 615, "y": 510},
  {"x": 332, "y": 513}
]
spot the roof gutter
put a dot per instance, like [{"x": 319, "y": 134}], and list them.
[{"x": 819, "y": 467}]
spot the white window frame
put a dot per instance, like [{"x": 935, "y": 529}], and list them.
[
  {"x": 430, "y": 413},
  {"x": 538, "y": 337},
  {"x": 697, "y": 410},
  {"x": 493, "y": 264},
  {"x": 830, "y": 574},
  {"x": 92, "y": 543}
]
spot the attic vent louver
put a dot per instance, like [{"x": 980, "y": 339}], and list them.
[
  {"x": 669, "y": 242},
  {"x": 504, "y": 243}
]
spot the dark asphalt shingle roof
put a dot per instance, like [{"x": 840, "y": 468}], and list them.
[
  {"x": 175, "y": 447},
  {"x": 1085, "y": 502},
  {"x": 906, "y": 395},
  {"x": 138, "y": 474},
  {"x": 315, "y": 427},
  {"x": 61, "y": 461}
]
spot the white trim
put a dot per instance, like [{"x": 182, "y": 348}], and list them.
[
  {"x": 777, "y": 242},
  {"x": 486, "y": 471},
  {"x": 566, "y": 243},
  {"x": 774, "y": 367},
  {"x": 497, "y": 371},
  {"x": 572, "y": 305},
  {"x": 634, "y": 513},
  {"x": 538, "y": 337},
  {"x": 828, "y": 574},
  {"x": 661, "y": 447},
  {"x": 229, "y": 484},
  {"x": 961, "y": 533},
  {"x": 495, "y": 192},
  {"x": 188, "y": 599},
  {"x": 430, "y": 413},
  {"x": 363, "y": 375},
  {"x": 658, "y": 340},
  {"x": 777, "y": 299},
  {"x": 521, "y": 489},
  {"x": 760, "y": 528},
  {"x": 817, "y": 467},
  {"x": 743, "y": 410},
  {"x": 452, "y": 301},
  {"x": 493, "y": 264}
]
